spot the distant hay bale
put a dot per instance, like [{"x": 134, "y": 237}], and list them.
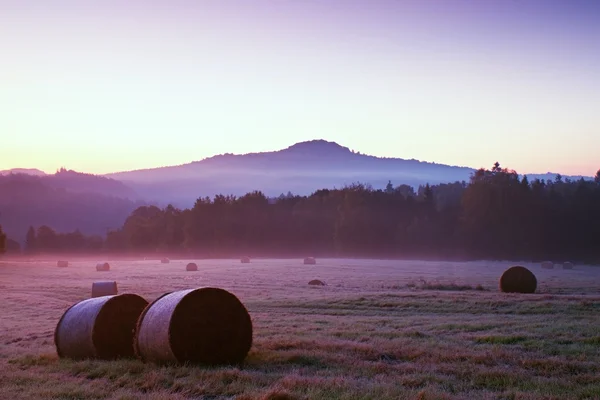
[
  {"x": 518, "y": 280},
  {"x": 568, "y": 265},
  {"x": 165, "y": 260},
  {"x": 548, "y": 265},
  {"x": 101, "y": 328},
  {"x": 103, "y": 267},
  {"x": 62, "y": 264},
  {"x": 316, "y": 282},
  {"x": 201, "y": 326},
  {"x": 104, "y": 288},
  {"x": 245, "y": 260},
  {"x": 191, "y": 267},
  {"x": 310, "y": 261}
]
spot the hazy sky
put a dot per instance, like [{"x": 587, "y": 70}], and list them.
[{"x": 119, "y": 85}]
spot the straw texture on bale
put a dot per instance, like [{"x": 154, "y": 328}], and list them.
[
  {"x": 245, "y": 260},
  {"x": 104, "y": 288},
  {"x": 518, "y": 279},
  {"x": 316, "y": 282},
  {"x": 567, "y": 265},
  {"x": 548, "y": 265},
  {"x": 103, "y": 267},
  {"x": 191, "y": 267},
  {"x": 101, "y": 328},
  {"x": 62, "y": 264},
  {"x": 200, "y": 326},
  {"x": 310, "y": 261},
  {"x": 165, "y": 260}
]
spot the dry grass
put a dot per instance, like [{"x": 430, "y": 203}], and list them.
[{"x": 379, "y": 330}]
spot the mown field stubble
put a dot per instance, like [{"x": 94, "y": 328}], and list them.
[{"x": 378, "y": 330}]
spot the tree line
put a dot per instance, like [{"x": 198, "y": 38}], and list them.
[{"x": 496, "y": 215}]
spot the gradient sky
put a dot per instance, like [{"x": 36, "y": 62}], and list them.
[{"x": 121, "y": 85}]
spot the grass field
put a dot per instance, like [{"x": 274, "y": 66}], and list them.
[{"x": 378, "y": 330}]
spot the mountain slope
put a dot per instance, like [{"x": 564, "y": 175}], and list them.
[
  {"x": 28, "y": 200},
  {"x": 89, "y": 183},
  {"x": 301, "y": 169}
]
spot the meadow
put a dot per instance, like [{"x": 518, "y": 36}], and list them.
[{"x": 377, "y": 330}]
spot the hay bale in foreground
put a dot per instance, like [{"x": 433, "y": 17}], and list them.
[
  {"x": 104, "y": 288},
  {"x": 316, "y": 282},
  {"x": 568, "y": 265},
  {"x": 310, "y": 261},
  {"x": 245, "y": 260},
  {"x": 201, "y": 326},
  {"x": 518, "y": 279},
  {"x": 548, "y": 265},
  {"x": 103, "y": 267},
  {"x": 100, "y": 328},
  {"x": 191, "y": 267},
  {"x": 62, "y": 264},
  {"x": 165, "y": 260}
]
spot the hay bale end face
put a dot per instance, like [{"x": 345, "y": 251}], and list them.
[
  {"x": 548, "y": 265},
  {"x": 103, "y": 267},
  {"x": 316, "y": 282},
  {"x": 101, "y": 328},
  {"x": 165, "y": 260},
  {"x": 518, "y": 279},
  {"x": 62, "y": 264},
  {"x": 245, "y": 260},
  {"x": 104, "y": 288},
  {"x": 201, "y": 326},
  {"x": 310, "y": 261},
  {"x": 191, "y": 267},
  {"x": 568, "y": 265}
]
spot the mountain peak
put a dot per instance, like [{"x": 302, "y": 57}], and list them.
[{"x": 318, "y": 146}]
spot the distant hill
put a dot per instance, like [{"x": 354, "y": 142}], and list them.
[
  {"x": 89, "y": 183},
  {"x": 301, "y": 169},
  {"x": 58, "y": 201},
  {"x": 73, "y": 181},
  {"x": 27, "y": 171}
]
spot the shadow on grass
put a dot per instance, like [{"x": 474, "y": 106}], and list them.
[
  {"x": 500, "y": 339},
  {"x": 452, "y": 287}
]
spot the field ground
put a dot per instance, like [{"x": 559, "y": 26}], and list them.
[{"x": 378, "y": 330}]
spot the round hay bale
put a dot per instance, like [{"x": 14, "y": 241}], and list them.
[
  {"x": 310, "y": 261},
  {"x": 191, "y": 267},
  {"x": 200, "y": 326},
  {"x": 104, "y": 288},
  {"x": 103, "y": 267},
  {"x": 568, "y": 265},
  {"x": 245, "y": 260},
  {"x": 548, "y": 265},
  {"x": 316, "y": 282},
  {"x": 518, "y": 280},
  {"x": 62, "y": 264},
  {"x": 101, "y": 328},
  {"x": 165, "y": 260}
]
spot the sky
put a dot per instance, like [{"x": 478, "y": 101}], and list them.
[{"x": 106, "y": 86}]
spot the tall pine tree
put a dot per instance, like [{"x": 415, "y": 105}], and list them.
[
  {"x": 30, "y": 240},
  {"x": 2, "y": 241}
]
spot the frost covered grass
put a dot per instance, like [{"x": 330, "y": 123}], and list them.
[{"x": 378, "y": 330}]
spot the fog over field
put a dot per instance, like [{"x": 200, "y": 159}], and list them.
[
  {"x": 378, "y": 329},
  {"x": 300, "y": 200}
]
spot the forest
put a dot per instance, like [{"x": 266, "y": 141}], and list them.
[{"x": 496, "y": 215}]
